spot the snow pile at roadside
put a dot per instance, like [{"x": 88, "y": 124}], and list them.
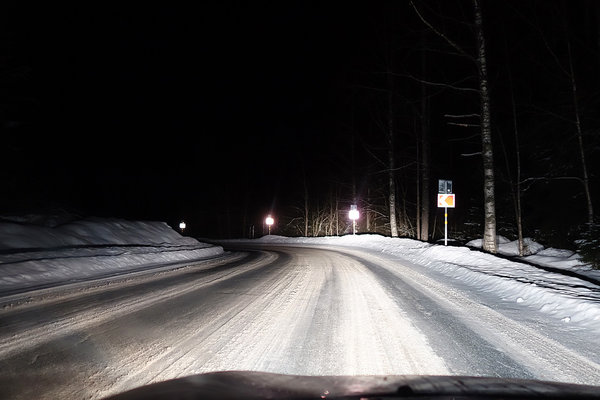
[
  {"x": 567, "y": 298},
  {"x": 564, "y": 259},
  {"x": 537, "y": 254},
  {"x": 45, "y": 253},
  {"x": 510, "y": 248},
  {"x": 88, "y": 232}
]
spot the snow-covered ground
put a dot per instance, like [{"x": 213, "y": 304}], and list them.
[
  {"x": 43, "y": 253},
  {"x": 535, "y": 253},
  {"x": 363, "y": 304},
  {"x": 572, "y": 298},
  {"x": 40, "y": 252}
]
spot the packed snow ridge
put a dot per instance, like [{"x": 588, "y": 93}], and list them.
[{"x": 44, "y": 251}]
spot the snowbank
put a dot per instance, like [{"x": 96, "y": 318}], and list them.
[
  {"x": 36, "y": 253},
  {"x": 511, "y": 248},
  {"x": 536, "y": 253},
  {"x": 89, "y": 232}
]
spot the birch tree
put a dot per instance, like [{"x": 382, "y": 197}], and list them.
[
  {"x": 489, "y": 199},
  {"x": 487, "y": 152}
]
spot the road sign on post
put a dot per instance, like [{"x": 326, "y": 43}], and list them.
[
  {"x": 446, "y": 200},
  {"x": 444, "y": 186}
]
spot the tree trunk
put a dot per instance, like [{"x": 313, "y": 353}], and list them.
[
  {"x": 391, "y": 179},
  {"x": 586, "y": 183},
  {"x": 305, "y": 205},
  {"x": 516, "y": 185},
  {"x": 425, "y": 192},
  {"x": 368, "y": 210},
  {"x": 425, "y": 152},
  {"x": 337, "y": 215},
  {"x": 489, "y": 202},
  {"x": 418, "y": 181},
  {"x": 517, "y": 194}
]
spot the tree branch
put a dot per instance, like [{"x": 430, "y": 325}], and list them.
[
  {"x": 464, "y": 125},
  {"x": 553, "y": 178},
  {"x": 447, "y": 85},
  {"x": 440, "y": 34},
  {"x": 474, "y": 115},
  {"x": 477, "y": 135}
]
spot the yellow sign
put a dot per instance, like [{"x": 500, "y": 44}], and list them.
[{"x": 446, "y": 200}]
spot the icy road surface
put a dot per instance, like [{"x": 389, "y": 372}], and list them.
[{"x": 273, "y": 308}]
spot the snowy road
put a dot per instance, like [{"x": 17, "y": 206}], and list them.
[{"x": 296, "y": 310}]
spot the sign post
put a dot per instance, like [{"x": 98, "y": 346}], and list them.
[{"x": 446, "y": 199}]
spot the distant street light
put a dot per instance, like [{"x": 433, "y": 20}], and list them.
[
  {"x": 269, "y": 221},
  {"x": 353, "y": 215},
  {"x": 182, "y": 226}
]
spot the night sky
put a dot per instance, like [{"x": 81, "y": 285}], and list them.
[
  {"x": 217, "y": 113},
  {"x": 166, "y": 112}
]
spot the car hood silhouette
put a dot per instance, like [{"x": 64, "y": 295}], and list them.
[{"x": 261, "y": 385}]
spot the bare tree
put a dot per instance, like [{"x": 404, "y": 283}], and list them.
[
  {"x": 305, "y": 203},
  {"x": 585, "y": 177},
  {"x": 517, "y": 184},
  {"x": 569, "y": 73},
  {"x": 480, "y": 61},
  {"x": 489, "y": 202},
  {"x": 424, "y": 166},
  {"x": 391, "y": 164}
]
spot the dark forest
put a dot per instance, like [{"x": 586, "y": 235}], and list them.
[{"x": 301, "y": 110}]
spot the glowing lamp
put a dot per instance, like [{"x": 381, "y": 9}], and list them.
[
  {"x": 353, "y": 215},
  {"x": 269, "y": 221}
]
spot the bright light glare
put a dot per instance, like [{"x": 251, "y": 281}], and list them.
[
  {"x": 269, "y": 221},
  {"x": 182, "y": 225},
  {"x": 353, "y": 214}
]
